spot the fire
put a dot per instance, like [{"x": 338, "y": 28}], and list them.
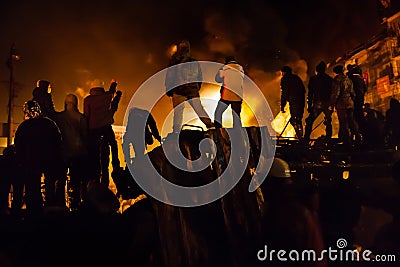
[{"x": 281, "y": 120}]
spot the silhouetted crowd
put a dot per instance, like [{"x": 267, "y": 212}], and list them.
[
  {"x": 359, "y": 123},
  {"x": 63, "y": 212}
]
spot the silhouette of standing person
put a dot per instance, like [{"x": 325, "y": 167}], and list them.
[
  {"x": 342, "y": 99},
  {"x": 392, "y": 126},
  {"x": 231, "y": 75},
  {"x": 360, "y": 88},
  {"x": 183, "y": 83},
  {"x": 38, "y": 151},
  {"x": 319, "y": 93},
  {"x": 99, "y": 111},
  {"x": 42, "y": 95},
  {"x": 138, "y": 137},
  {"x": 74, "y": 131},
  {"x": 293, "y": 92}
]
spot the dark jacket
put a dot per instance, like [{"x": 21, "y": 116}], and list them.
[
  {"x": 293, "y": 91},
  {"x": 38, "y": 144},
  {"x": 97, "y": 107},
  {"x": 183, "y": 79},
  {"x": 319, "y": 90},
  {"x": 359, "y": 85},
  {"x": 45, "y": 102},
  {"x": 136, "y": 117},
  {"x": 342, "y": 92},
  {"x": 73, "y": 126}
]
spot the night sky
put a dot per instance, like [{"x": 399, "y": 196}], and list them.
[{"x": 71, "y": 42}]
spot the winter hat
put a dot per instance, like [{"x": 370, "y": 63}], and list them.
[
  {"x": 321, "y": 67},
  {"x": 71, "y": 99},
  {"x": 32, "y": 109},
  {"x": 229, "y": 59},
  {"x": 286, "y": 69},
  {"x": 97, "y": 83}
]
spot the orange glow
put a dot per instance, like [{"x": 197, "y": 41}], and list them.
[
  {"x": 280, "y": 121},
  {"x": 172, "y": 50}
]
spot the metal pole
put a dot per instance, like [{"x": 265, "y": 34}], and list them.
[{"x": 11, "y": 96}]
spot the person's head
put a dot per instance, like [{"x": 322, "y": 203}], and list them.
[
  {"x": 44, "y": 85},
  {"x": 183, "y": 48},
  {"x": 350, "y": 67},
  {"x": 71, "y": 100},
  {"x": 229, "y": 59},
  {"x": 338, "y": 69},
  {"x": 286, "y": 70},
  {"x": 321, "y": 67},
  {"x": 31, "y": 109},
  {"x": 97, "y": 83}
]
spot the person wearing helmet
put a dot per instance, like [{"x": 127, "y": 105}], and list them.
[{"x": 38, "y": 151}]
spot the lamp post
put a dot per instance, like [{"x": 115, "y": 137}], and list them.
[{"x": 14, "y": 57}]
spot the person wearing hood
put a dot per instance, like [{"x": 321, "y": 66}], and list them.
[
  {"x": 99, "y": 109},
  {"x": 42, "y": 95},
  {"x": 74, "y": 131}
]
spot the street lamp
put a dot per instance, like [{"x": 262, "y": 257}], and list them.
[{"x": 13, "y": 57}]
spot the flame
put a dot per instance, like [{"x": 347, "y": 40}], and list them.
[{"x": 280, "y": 121}]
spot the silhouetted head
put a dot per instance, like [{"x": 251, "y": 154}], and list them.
[
  {"x": 338, "y": 69},
  {"x": 183, "y": 48},
  {"x": 321, "y": 67},
  {"x": 32, "y": 109},
  {"x": 286, "y": 69},
  {"x": 71, "y": 99},
  {"x": 44, "y": 86},
  {"x": 350, "y": 67},
  {"x": 229, "y": 59}
]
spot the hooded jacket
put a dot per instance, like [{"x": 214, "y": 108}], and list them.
[
  {"x": 43, "y": 97},
  {"x": 97, "y": 107}
]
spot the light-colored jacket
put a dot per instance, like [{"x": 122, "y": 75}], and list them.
[{"x": 231, "y": 75}]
